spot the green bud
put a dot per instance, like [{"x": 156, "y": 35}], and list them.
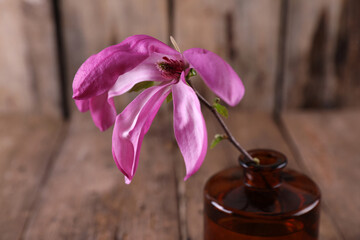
[
  {"x": 191, "y": 73},
  {"x": 256, "y": 160},
  {"x": 217, "y": 138},
  {"x": 222, "y": 110}
]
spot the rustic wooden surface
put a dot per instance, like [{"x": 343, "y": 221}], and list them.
[
  {"x": 29, "y": 79},
  {"x": 328, "y": 146},
  {"x": 290, "y": 54},
  {"x": 249, "y": 42},
  {"x": 309, "y": 65},
  {"x": 28, "y": 146},
  {"x": 86, "y": 197},
  {"x": 322, "y": 54},
  {"x": 58, "y": 181}
]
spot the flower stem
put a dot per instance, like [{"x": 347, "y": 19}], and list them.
[{"x": 229, "y": 136}]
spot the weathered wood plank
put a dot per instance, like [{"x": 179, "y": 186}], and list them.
[
  {"x": 86, "y": 30},
  {"x": 26, "y": 148},
  {"x": 312, "y": 50},
  {"x": 245, "y": 33},
  {"x": 253, "y": 130},
  {"x": 28, "y": 69},
  {"x": 86, "y": 197},
  {"x": 90, "y": 26},
  {"x": 141, "y": 17},
  {"x": 13, "y": 65},
  {"x": 256, "y": 39},
  {"x": 347, "y": 55},
  {"x": 40, "y": 36},
  {"x": 328, "y": 143}
]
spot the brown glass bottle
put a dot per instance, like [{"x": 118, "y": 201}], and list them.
[{"x": 261, "y": 202}]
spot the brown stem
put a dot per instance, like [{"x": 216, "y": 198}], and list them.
[{"x": 229, "y": 136}]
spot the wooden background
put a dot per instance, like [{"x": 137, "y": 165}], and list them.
[
  {"x": 296, "y": 58},
  {"x": 290, "y": 54}
]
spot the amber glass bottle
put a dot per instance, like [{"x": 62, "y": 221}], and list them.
[{"x": 261, "y": 202}]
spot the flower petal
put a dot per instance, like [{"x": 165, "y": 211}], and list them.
[
  {"x": 99, "y": 72},
  {"x": 103, "y": 111},
  {"x": 132, "y": 124},
  {"x": 82, "y": 105},
  {"x": 189, "y": 126},
  {"x": 217, "y": 74},
  {"x": 146, "y": 71}
]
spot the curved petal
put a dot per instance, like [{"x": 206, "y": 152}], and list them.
[
  {"x": 189, "y": 126},
  {"x": 217, "y": 74},
  {"x": 103, "y": 111},
  {"x": 147, "y": 44},
  {"x": 99, "y": 72},
  {"x": 146, "y": 71},
  {"x": 82, "y": 105},
  {"x": 132, "y": 124}
]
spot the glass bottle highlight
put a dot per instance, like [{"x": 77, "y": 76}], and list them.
[{"x": 261, "y": 202}]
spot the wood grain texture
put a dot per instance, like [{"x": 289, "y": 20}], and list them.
[
  {"x": 328, "y": 144},
  {"x": 26, "y": 147},
  {"x": 254, "y": 130},
  {"x": 87, "y": 29},
  {"x": 256, "y": 39},
  {"x": 309, "y": 78},
  {"x": 148, "y": 17},
  {"x": 28, "y": 69},
  {"x": 86, "y": 197},
  {"x": 347, "y": 55},
  {"x": 90, "y": 26},
  {"x": 245, "y": 33}
]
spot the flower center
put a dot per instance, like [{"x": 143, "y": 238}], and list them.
[{"x": 170, "y": 68}]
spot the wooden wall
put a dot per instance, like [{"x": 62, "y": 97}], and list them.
[
  {"x": 322, "y": 54},
  {"x": 290, "y": 54},
  {"x": 29, "y": 77}
]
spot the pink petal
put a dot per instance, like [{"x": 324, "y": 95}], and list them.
[
  {"x": 146, "y": 71},
  {"x": 189, "y": 126},
  {"x": 132, "y": 124},
  {"x": 100, "y": 72},
  {"x": 103, "y": 111},
  {"x": 82, "y": 105},
  {"x": 217, "y": 74},
  {"x": 147, "y": 44}
]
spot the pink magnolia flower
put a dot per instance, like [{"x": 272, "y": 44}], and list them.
[{"x": 116, "y": 69}]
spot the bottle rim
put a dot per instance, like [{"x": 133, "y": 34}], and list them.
[{"x": 269, "y": 160}]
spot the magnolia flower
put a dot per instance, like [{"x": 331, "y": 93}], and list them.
[{"x": 116, "y": 69}]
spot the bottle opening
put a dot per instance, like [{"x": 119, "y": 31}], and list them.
[{"x": 269, "y": 159}]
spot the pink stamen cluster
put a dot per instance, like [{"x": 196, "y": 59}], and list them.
[{"x": 170, "y": 68}]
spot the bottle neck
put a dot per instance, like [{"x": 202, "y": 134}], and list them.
[{"x": 267, "y": 174}]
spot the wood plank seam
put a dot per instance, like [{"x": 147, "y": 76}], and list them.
[
  {"x": 280, "y": 70},
  {"x": 61, "y": 58},
  {"x": 181, "y": 201},
  {"x": 171, "y": 18},
  {"x": 55, "y": 151},
  {"x": 280, "y": 123}
]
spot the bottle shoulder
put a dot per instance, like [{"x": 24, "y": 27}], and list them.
[{"x": 297, "y": 194}]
